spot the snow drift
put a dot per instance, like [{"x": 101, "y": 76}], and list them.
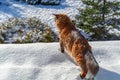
[{"x": 44, "y": 61}]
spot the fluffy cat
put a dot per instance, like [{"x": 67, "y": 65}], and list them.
[{"x": 76, "y": 45}]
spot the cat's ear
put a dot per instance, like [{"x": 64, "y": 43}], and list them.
[{"x": 56, "y": 15}]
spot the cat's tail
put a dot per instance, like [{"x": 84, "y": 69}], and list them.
[{"x": 91, "y": 63}]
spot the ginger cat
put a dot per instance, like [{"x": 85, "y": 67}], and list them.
[{"x": 76, "y": 45}]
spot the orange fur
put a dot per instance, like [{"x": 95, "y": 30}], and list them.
[{"x": 76, "y": 44}]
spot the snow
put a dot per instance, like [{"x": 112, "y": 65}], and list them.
[
  {"x": 44, "y": 61},
  {"x": 116, "y": 31},
  {"x": 11, "y": 8}
]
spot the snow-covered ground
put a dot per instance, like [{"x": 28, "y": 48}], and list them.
[
  {"x": 11, "y": 8},
  {"x": 44, "y": 61}
]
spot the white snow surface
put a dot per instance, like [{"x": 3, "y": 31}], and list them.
[
  {"x": 11, "y": 8},
  {"x": 44, "y": 61}
]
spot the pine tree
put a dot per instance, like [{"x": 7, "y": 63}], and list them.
[{"x": 97, "y": 16}]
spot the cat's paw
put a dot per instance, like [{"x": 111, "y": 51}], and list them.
[
  {"x": 61, "y": 50},
  {"x": 82, "y": 76}
]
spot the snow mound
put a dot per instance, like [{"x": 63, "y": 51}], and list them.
[{"x": 44, "y": 61}]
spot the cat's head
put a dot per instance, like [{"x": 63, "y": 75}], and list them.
[{"x": 62, "y": 20}]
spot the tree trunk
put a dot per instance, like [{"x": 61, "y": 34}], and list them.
[{"x": 103, "y": 14}]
